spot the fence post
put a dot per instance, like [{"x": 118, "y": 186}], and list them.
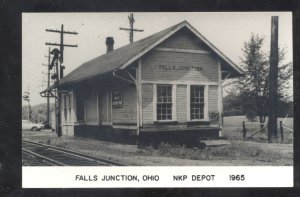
[
  {"x": 281, "y": 131},
  {"x": 244, "y": 131}
]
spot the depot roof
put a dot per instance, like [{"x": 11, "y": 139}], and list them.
[{"x": 122, "y": 57}]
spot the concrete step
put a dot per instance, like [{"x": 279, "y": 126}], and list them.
[{"x": 212, "y": 143}]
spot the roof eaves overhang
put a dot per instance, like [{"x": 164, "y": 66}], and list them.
[
  {"x": 157, "y": 42},
  {"x": 70, "y": 83},
  {"x": 227, "y": 68},
  {"x": 216, "y": 50},
  {"x": 48, "y": 89}
]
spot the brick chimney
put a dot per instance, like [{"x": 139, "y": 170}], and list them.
[{"x": 109, "y": 44}]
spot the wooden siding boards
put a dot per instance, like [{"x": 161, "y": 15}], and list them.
[
  {"x": 183, "y": 39},
  {"x": 103, "y": 104},
  {"x": 109, "y": 107},
  {"x": 91, "y": 107},
  {"x": 179, "y": 50},
  {"x": 152, "y": 61},
  {"x": 152, "y": 73},
  {"x": 147, "y": 101},
  {"x": 181, "y": 103},
  {"x": 180, "y": 35},
  {"x": 68, "y": 130},
  {"x": 127, "y": 113},
  {"x": 105, "y": 107},
  {"x": 69, "y": 106},
  {"x": 213, "y": 98},
  {"x": 67, "y": 119}
]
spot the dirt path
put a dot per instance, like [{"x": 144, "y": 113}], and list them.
[{"x": 132, "y": 155}]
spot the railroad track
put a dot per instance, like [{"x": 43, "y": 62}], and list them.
[
  {"x": 29, "y": 159},
  {"x": 38, "y": 154}
]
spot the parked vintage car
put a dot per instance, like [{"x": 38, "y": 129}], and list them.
[{"x": 28, "y": 125}]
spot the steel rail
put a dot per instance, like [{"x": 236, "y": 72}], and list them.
[
  {"x": 77, "y": 154},
  {"x": 43, "y": 157}
]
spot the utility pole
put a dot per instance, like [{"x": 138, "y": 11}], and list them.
[
  {"x": 273, "y": 80},
  {"x": 47, "y": 125},
  {"x": 131, "y": 28},
  {"x": 49, "y": 93},
  {"x": 61, "y": 44},
  {"x": 26, "y": 97},
  {"x": 58, "y": 55}
]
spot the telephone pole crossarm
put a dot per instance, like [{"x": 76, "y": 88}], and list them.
[
  {"x": 64, "y": 32},
  {"x": 140, "y": 30},
  {"x": 131, "y": 29},
  {"x": 65, "y": 45}
]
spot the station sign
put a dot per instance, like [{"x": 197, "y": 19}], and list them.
[{"x": 117, "y": 98}]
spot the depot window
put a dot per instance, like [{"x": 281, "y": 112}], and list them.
[
  {"x": 197, "y": 102},
  {"x": 164, "y": 102}
]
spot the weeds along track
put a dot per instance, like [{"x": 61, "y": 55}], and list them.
[
  {"x": 34, "y": 153},
  {"x": 32, "y": 159}
]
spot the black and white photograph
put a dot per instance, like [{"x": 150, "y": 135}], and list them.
[{"x": 157, "y": 89}]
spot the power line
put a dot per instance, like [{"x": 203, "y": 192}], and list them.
[
  {"x": 47, "y": 125},
  {"x": 58, "y": 54},
  {"x": 61, "y": 44}
]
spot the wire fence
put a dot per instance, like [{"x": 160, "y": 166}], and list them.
[
  {"x": 287, "y": 128},
  {"x": 240, "y": 129},
  {"x": 282, "y": 131}
]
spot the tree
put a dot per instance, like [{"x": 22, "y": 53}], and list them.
[
  {"x": 253, "y": 86},
  {"x": 232, "y": 103},
  {"x": 38, "y": 112}
]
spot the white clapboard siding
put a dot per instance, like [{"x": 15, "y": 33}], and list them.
[
  {"x": 152, "y": 60},
  {"x": 213, "y": 98},
  {"x": 183, "y": 39},
  {"x": 103, "y": 106},
  {"x": 178, "y": 50},
  {"x": 91, "y": 107},
  {"x": 127, "y": 113},
  {"x": 181, "y": 102},
  {"x": 147, "y": 92}
]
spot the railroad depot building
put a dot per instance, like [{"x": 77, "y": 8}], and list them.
[{"x": 166, "y": 86}]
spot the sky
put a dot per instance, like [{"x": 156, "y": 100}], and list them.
[{"x": 226, "y": 30}]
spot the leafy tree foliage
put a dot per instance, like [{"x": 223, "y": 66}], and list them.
[
  {"x": 39, "y": 112},
  {"x": 254, "y": 85}
]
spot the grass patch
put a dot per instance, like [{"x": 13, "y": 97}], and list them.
[
  {"x": 238, "y": 153},
  {"x": 62, "y": 142},
  {"x": 235, "y": 151}
]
